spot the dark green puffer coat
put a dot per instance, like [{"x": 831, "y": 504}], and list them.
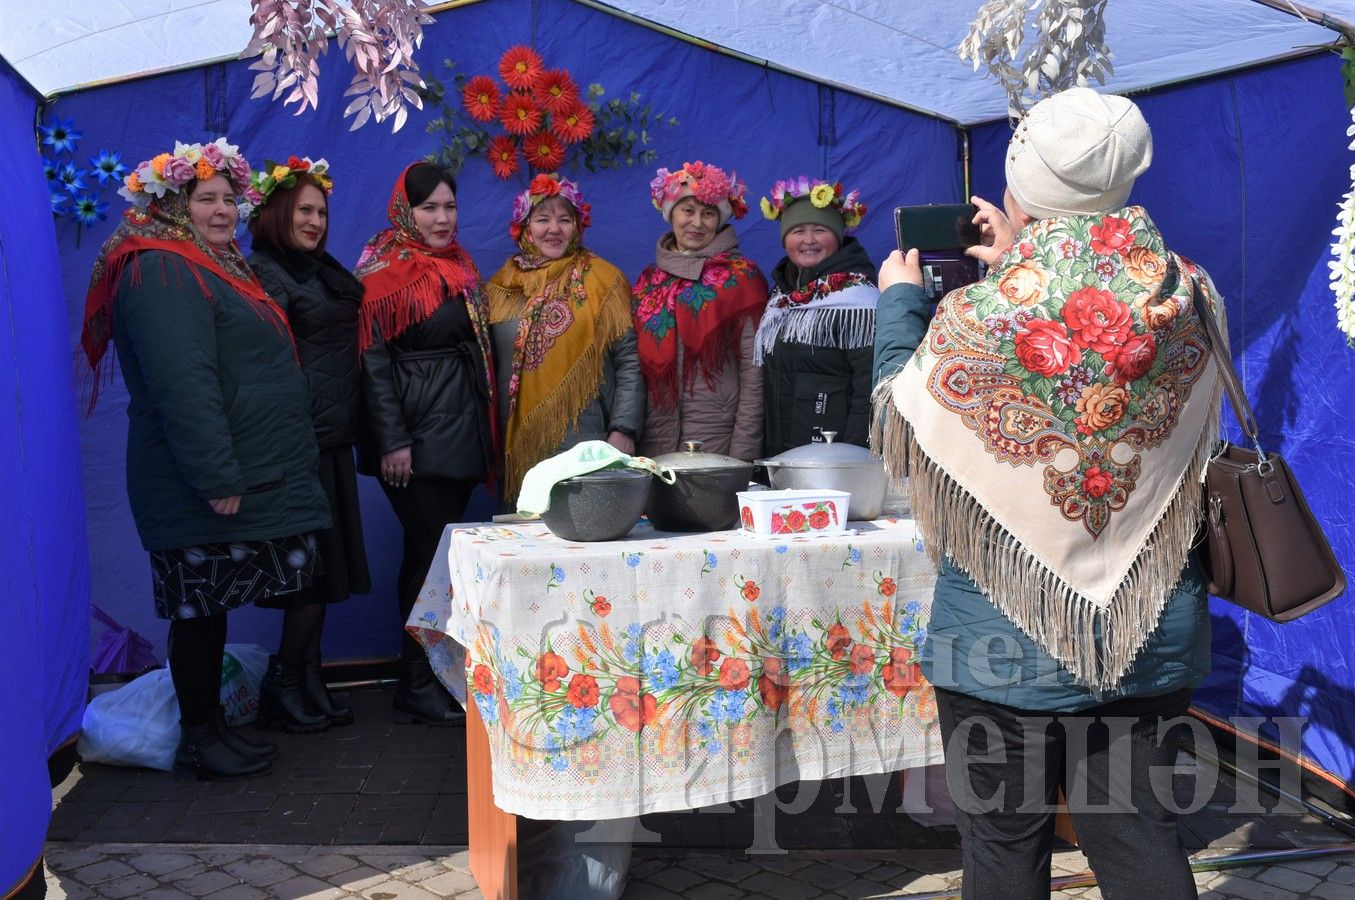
[{"x": 217, "y": 407}]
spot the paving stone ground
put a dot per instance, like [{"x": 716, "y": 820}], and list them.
[{"x": 378, "y": 811}]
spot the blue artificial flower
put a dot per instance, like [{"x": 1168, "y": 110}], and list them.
[
  {"x": 660, "y": 670},
  {"x": 71, "y": 178},
  {"x": 58, "y": 203},
  {"x": 60, "y": 135},
  {"x": 107, "y": 166},
  {"x": 50, "y": 168},
  {"x": 576, "y": 723},
  {"x": 728, "y": 706}
]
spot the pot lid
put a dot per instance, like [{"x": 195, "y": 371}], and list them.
[
  {"x": 691, "y": 458},
  {"x": 608, "y": 475},
  {"x": 825, "y": 454}
]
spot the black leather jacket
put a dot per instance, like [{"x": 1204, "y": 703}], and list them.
[
  {"x": 321, "y": 299},
  {"x": 427, "y": 390}
]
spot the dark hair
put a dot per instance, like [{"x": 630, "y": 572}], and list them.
[
  {"x": 273, "y": 224},
  {"x": 423, "y": 179}
]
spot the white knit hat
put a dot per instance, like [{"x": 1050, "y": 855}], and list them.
[{"x": 1077, "y": 153}]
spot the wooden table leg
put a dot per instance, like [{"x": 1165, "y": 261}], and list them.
[
  {"x": 493, "y": 833},
  {"x": 1063, "y": 822}
]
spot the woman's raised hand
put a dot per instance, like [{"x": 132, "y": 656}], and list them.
[{"x": 996, "y": 230}]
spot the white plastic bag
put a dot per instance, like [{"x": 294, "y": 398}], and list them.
[{"x": 138, "y": 724}]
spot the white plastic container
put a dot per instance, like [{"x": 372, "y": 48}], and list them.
[{"x": 793, "y": 513}]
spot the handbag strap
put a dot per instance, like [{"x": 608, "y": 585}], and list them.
[{"x": 1237, "y": 396}]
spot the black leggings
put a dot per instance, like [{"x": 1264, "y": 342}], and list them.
[
  {"x": 197, "y": 648},
  {"x": 424, "y": 509}
]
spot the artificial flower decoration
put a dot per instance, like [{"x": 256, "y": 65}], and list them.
[
  {"x": 543, "y": 151},
  {"x": 708, "y": 184},
  {"x": 481, "y": 98},
  {"x": 61, "y": 135},
  {"x": 51, "y": 169},
  {"x": 520, "y": 67},
  {"x": 519, "y": 114},
  {"x": 71, "y": 178},
  {"x": 107, "y": 166},
  {"x": 263, "y": 182},
  {"x": 503, "y": 156},
  {"x": 89, "y": 209},
  {"x": 556, "y": 92},
  {"x": 544, "y": 186},
  {"x": 573, "y": 124},
  {"x": 59, "y": 202},
  {"x": 168, "y": 172},
  {"x": 823, "y": 194}
]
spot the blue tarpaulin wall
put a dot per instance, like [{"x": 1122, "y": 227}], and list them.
[
  {"x": 763, "y": 124},
  {"x": 1246, "y": 175},
  {"x": 44, "y": 572}
]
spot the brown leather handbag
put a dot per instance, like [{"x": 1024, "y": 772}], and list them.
[{"x": 1262, "y": 548}]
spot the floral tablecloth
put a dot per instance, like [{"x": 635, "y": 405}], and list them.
[{"x": 665, "y": 672}]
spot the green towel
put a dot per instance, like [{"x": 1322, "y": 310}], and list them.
[{"x": 582, "y": 458}]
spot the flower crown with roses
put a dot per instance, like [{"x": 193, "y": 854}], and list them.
[
  {"x": 169, "y": 172},
  {"x": 264, "y": 182},
  {"x": 823, "y": 194},
  {"x": 708, "y": 184},
  {"x": 543, "y": 187}
]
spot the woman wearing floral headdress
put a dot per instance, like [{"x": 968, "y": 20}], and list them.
[
  {"x": 221, "y": 456},
  {"x": 696, "y": 312},
  {"x": 564, "y": 345},
  {"x": 428, "y": 429},
  {"x": 289, "y": 225},
  {"x": 816, "y": 342}
]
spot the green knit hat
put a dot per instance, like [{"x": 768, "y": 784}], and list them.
[{"x": 801, "y": 212}]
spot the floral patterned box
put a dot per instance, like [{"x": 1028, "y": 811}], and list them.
[{"x": 774, "y": 513}]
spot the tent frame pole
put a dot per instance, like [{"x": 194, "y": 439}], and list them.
[{"x": 1315, "y": 16}]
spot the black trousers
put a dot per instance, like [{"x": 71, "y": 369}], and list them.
[
  {"x": 424, "y": 509},
  {"x": 1004, "y": 767}
]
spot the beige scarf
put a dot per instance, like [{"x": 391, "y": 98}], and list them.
[{"x": 1055, "y": 424}]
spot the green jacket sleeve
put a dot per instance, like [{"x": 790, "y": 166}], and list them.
[
  {"x": 900, "y": 324},
  {"x": 171, "y": 328}
]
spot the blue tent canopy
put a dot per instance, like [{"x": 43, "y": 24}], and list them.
[{"x": 1248, "y": 169}]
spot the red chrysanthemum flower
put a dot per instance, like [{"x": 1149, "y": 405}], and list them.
[
  {"x": 503, "y": 156},
  {"x": 521, "y": 67},
  {"x": 519, "y": 114},
  {"x": 481, "y": 98},
  {"x": 556, "y": 92},
  {"x": 543, "y": 151},
  {"x": 574, "y": 124}
]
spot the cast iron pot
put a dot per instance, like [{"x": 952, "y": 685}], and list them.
[
  {"x": 831, "y": 466},
  {"x": 703, "y": 495},
  {"x": 599, "y": 506}
]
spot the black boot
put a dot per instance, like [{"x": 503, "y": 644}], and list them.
[
  {"x": 282, "y": 700},
  {"x": 319, "y": 698},
  {"x": 203, "y": 755},
  {"x": 422, "y": 697},
  {"x": 237, "y": 741}
]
